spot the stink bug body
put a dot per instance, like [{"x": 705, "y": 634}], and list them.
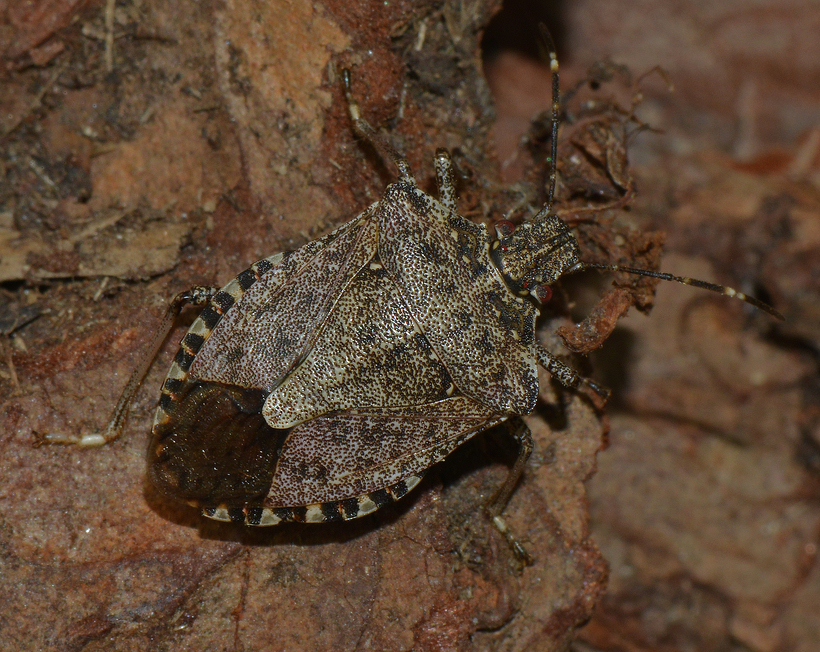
[{"x": 321, "y": 384}]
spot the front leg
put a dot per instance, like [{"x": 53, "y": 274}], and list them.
[{"x": 565, "y": 374}]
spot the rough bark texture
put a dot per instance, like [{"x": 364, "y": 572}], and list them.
[
  {"x": 196, "y": 139},
  {"x": 705, "y": 503},
  {"x": 149, "y": 147}
]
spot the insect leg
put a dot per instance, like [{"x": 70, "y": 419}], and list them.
[
  {"x": 519, "y": 430},
  {"x": 198, "y": 296},
  {"x": 445, "y": 179},
  {"x": 376, "y": 139},
  {"x": 565, "y": 374}
]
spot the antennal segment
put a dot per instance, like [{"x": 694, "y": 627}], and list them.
[
  {"x": 712, "y": 287},
  {"x": 556, "y": 99}
]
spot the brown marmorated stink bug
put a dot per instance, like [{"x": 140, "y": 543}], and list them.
[{"x": 320, "y": 384}]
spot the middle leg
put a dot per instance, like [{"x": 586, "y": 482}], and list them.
[{"x": 565, "y": 374}]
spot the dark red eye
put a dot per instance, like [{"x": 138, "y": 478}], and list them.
[
  {"x": 504, "y": 228},
  {"x": 543, "y": 293}
]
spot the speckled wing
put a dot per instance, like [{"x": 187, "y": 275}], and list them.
[
  {"x": 263, "y": 336},
  {"x": 336, "y": 457},
  {"x": 369, "y": 353},
  {"x": 442, "y": 267}
]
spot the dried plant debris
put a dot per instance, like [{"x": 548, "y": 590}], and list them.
[
  {"x": 594, "y": 186},
  {"x": 721, "y": 551},
  {"x": 14, "y": 316},
  {"x": 124, "y": 246}
]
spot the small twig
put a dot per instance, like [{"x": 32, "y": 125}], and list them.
[
  {"x": 109, "y": 35},
  {"x": 421, "y": 36},
  {"x": 805, "y": 155},
  {"x": 35, "y": 103},
  {"x": 101, "y": 289},
  {"x": 12, "y": 371},
  {"x": 209, "y": 107}
]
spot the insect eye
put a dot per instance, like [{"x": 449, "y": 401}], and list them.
[
  {"x": 504, "y": 228},
  {"x": 543, "y": 293}
]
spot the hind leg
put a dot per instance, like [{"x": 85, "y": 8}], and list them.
[{"x": 521, "y": 432}]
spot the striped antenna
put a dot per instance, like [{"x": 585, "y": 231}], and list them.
[
  {"x": 556, "y": 100},
  {"x": 712, "y": 287}
]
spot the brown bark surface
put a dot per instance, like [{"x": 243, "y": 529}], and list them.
[
  {"x": 705, "y": 502},
  {"x": 150, "y": 147},
  {"x": 163, "y": 147}
]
